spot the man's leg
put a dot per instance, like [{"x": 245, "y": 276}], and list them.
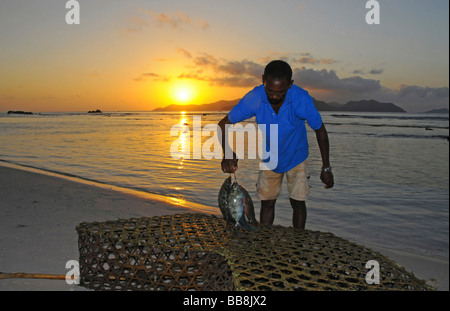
[
  {"x": 268, "y": 188},
  {"x": 298, "y": 188},
  {"x": 267, "y": 212},
  {"x": 299, "y": 213}
]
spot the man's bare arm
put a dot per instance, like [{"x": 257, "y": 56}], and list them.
[
  {"x": 324, "y": 145},
  {"x": 228, "y": 165}
]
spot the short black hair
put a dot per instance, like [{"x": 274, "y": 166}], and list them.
[{"x": 278, "y": 70}]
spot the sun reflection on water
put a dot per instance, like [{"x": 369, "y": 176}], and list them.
[{"x": 185, "y": 139}]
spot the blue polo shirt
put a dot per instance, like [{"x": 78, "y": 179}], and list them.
[{"x": 297, "y": 108}]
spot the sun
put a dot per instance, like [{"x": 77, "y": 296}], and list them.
[{"x": 183, "y": 93}]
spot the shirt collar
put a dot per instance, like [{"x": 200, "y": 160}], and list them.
[{"x": 287, "y": 99}]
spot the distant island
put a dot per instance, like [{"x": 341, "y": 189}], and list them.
[
  {"x": 19, "y": 112},
  {"x": 221, "y": 105},
  {"x": 442, "y": 110},
  {"x": 351, "y": 106},
  {"x": 95, "y": 111},
  {"x": 358, "y": 106}
]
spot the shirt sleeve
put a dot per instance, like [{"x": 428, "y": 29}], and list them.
[
  {"x": 245, "y": 108},
  {"x": 307, "y": 111}
]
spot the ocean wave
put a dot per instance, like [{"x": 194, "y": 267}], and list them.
[
  {"x": 412, "y": 136},
  {"x": 425, "y": 127},
  {"x": 400, "y": 117},
  {"x": 393, "y": 135}
]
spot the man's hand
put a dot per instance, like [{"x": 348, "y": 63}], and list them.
[
  {"x": 327, "y": 179},
  {"x": 229, "y": 165}
]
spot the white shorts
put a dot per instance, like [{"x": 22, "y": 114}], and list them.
[{"x": 269, "y": 183}]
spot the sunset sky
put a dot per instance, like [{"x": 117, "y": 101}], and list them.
[{"x": 137, "y": 55}]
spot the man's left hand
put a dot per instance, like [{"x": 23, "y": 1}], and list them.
[{"x": 327, "y": 179}]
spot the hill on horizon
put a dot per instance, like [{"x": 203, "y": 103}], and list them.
[
  {"x": 221, "y": 105},
  {"x": 351, "y": 106}
]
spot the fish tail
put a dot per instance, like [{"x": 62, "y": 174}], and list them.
[{"x": 244, "y": 224}]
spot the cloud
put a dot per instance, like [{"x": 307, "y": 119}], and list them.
[
  {"x": 183, "y": 52},
  {"x": 205, "y": 60},
  {"x": 174, "y": 20},
  {"x": 307, "y": 58},
  {"x": 423, "y": 92},
  {"x": 177, "y": 20},
  {"x": 323, "y": 84},
  {"x": 242, "y": 73},
  {"x": 248, "y": 73},
  {"x": 330, "y": 81},
  {"x": 327, "y": 85},
  {"x": 94, "y": 74},
  {"x": 153, "y": 76},
  {"x": 244, "y": 67},
  {"x": 137, "y": 24},
  {"x": 376, "y": 71},
  {"x": 287, "y": 57},
  {"x": 415, "y": 98}
]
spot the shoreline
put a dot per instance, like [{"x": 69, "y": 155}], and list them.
[
  {"x": 41, "y": 209},
  {"x": 432, "y": 269},
  {"x": 127, "y": 191}
]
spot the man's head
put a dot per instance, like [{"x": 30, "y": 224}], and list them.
[{"x": 277, "y": 80}]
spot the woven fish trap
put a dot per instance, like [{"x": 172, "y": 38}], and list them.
[{"x": 198, "y": 252}]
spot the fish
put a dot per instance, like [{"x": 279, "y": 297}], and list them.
[
  {"x": 249, "y": 208},
  {"x": 236, "y": 204},
  {"x": 223, "y": 199}
]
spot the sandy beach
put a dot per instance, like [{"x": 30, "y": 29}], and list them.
[
  {"x": 39, "y": 213},
  {"x": 38, "y": 216}
]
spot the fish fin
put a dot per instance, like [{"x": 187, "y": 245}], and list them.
[
  {"x": 244, "y": 224},
  {"x": 249, "y": 209}
]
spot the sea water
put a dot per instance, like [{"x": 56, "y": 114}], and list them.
[{"x": 391, "y": 170}]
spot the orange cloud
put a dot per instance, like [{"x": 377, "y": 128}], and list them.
[
  {"x": 153, "y": 76},
  {"x": 183, "y": 52},
  {"x": 177, "y": 20},
  {"x": 307, "y": 58}
]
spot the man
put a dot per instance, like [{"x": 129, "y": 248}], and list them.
[{"x": 278, "y": 101}]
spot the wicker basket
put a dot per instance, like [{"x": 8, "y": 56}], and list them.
[{"x": 197, "y": 252}]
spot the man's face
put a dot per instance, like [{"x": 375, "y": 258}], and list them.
[{"x": 276, "y": 89}]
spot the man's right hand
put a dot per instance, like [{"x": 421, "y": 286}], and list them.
[{"x": 229, "y": 165}]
